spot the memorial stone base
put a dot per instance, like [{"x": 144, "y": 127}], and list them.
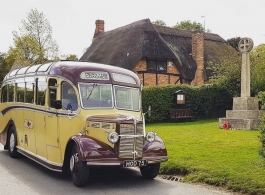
[{"x": 245, "y": 114}]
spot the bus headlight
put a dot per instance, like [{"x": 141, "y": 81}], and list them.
[
  {"x": 150, "y": 137},
  {"x": 113, "y": 137}
]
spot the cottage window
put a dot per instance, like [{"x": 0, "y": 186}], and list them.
[
  {"x": 158, "y": 65},
  {"x": 151, "y": 64},
  {"x": 162, "y": 65}
]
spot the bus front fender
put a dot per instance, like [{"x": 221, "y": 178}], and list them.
[
  {"x": 90, "y": 148},
  {"x": 156, "y": 148},
  {"x": 4, "y": 133}
]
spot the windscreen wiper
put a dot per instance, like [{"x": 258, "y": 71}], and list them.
[{"x": 94, "y": 85}]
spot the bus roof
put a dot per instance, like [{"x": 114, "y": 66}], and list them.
[{"x": 79, "y": 72}]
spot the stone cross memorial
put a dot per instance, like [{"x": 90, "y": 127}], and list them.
[
  {"x": 245, "y": 45},
  {"x": 245, "y": 113}
]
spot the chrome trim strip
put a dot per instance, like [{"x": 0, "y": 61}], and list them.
[
  {"x": 131, "y": 136},
  {"x": 156, "y": 161},
  {"x": 102, "y": 164},
  {"x": 126, "y": 144},
  {"x": 39, "y": 109},
  {"x": 40, "y": 160}
]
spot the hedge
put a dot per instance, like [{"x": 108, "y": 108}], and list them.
[
  {"x": 208, "y": 101},
  {"x": 261, "y": 96}
]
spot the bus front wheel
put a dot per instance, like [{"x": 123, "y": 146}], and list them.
[
  {"x": 12, "y": 143},
  {"x": 150, "y": 171},
  {"x": 78, "y": 168}
]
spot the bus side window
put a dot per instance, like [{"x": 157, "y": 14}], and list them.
[
  {"x": 69, "y": 98},
  {"x": 40, "y": 92},
  {"x": 4, "y": 94},
  {"x": 7, "y": 94},
  {"x": 52, "y": 92},
  {"x": 10, "y": 94},
  {"x": 30, "y": 93},
  {"x": 20, "y": 92}
]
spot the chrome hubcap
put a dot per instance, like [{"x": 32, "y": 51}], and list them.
[
  {"x": 12, "y": 142},
  {"x": 73, "y": 161}
]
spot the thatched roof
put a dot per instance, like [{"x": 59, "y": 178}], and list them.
[{"x": 127, "y": 45}]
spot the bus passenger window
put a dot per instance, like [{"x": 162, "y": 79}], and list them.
[
  {"x": 69, "y": 98},
  {"x": 4, "y": 94},
  {"x": 52, "y": 92},
  {"x": 20, "y": 92},
  {"x": 30, "y": 93},
  {"x": 10, "y": 96},
  {"x": 7, "y": 94},
  {"x": 40, "y": 92}
]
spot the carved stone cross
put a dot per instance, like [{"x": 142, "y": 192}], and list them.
[{"x": 245, "y": 45}]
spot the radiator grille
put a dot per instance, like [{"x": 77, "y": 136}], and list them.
[{"x": 131, "y": 147}]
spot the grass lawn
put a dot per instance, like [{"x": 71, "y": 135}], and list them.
[{"x": 204, "y": 153}]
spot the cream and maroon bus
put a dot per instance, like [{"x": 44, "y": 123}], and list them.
[{"x": 69, "y": 116}]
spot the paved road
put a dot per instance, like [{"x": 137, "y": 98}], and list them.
[{"x": 25, "y": 177}]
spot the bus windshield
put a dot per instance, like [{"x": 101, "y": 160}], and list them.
[
  {"x": 127, "y": 98},
  {"x": 95, "y": 95}
]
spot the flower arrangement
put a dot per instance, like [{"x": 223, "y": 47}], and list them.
[{"x": 226, "y": 125}]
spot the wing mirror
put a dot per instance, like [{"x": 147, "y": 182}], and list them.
[
  {"x": 58, "y": 104},
  {"x": 148, "y": 112}
]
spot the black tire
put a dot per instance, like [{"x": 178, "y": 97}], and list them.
[
  {"x": 79, "y": 170},
  {"x": 150, "y": 171},
  {"x": 12, "y": 143}
]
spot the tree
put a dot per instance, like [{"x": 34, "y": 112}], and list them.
[
  {"x": 228, "y": 73},
  {"x": 159, "y": 22},
  {"x": 4, "y": 69},
  {"x": 257, "y": 58},
  {"x": 188, "y": 25},
  {"x": 25, "y": 49},
  {"x": 72, "y": 57},
  {"x": 36, "y": 34},
  {"x": 233, "y": 42}
]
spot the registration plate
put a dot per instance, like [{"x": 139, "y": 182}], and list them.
[{"x": 134, "y": 163}]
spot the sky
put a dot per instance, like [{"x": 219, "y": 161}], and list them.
[{"x": 73, "y": 21}]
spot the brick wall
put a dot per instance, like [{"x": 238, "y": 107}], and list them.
[
  {"x": 151, "y": 79},
  {"x": 141, "y": 66},
  {"x": 198, "y": 57}
]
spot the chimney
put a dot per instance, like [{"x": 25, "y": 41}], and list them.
[
  {"x": 99, "y": 27},
  {"x": 198, "y": 57}
]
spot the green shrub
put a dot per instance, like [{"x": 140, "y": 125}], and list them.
[
  {"x": 261, "y": 96},
  {"x": 262, "y": 136},
  {"x": 208, "y": 101}
]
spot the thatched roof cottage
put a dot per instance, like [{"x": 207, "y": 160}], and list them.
[{"x": 159, "y": 55}]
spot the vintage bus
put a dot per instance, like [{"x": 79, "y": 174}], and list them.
[{"x": 69, "y": 116}]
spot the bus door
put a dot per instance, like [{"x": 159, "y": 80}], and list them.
[
  {"x": 40, "y": 117},
  {"x": 68, "y": 126},
  {"x": 29, "y": 114},
  {"x": 51, "y": 121}
]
